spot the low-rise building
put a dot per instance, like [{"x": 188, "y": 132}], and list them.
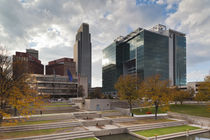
[
  {"x": 26, "y": 63},
  {"x": 55, "y": 86},
  {"x": 61, "y": 66}
]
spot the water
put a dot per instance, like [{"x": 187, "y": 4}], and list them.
[
  {"x": 119, "y": 137},
  {"x": 201, "y": 136}
]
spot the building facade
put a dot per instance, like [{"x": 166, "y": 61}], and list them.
[
  {"x": 146, "y": 53},
  {"x": 61, "y": 66},
  {"x": 26, "y": 63},
  {"x": 82, "y": 52},
  {"x": 55, "y": 86}
]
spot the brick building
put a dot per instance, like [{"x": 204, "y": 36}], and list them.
[
  {"x": 60, "y": 67},
  {"x": 26, "y": 63}
]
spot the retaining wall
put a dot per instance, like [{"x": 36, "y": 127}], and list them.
[
  {"x": 203, "y": 121},
  {"x": 110, "y": 132}
]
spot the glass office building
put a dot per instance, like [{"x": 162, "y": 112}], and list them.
[{"x": 146, "y": 53}]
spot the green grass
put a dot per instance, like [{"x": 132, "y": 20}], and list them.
[
  {"x": 164, "y": 131},
  {"x": 92, "y": 138},
  {"x": 9, "y": 135},
  {"x": 196, "y": 110},
  {"x": 144, "y": 111},
  {"x": 36, "y": 122}
]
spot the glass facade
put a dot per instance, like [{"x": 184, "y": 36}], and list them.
[
  {"x": 180, "y": 60},
  {"x": 109, "y": 74},
  {"x": 145, "y": 54},
  {"x": 156, "y": 55}
]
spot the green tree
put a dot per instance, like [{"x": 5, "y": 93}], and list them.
[
  {"x": 15, "y": 92},
  {"x": 155, "y": 92},
  {"x": 127, "y": 89}
]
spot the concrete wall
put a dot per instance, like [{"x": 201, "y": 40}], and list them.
[
  {"x": 110, "y": 132},
  {"x": 97, "y": 104},
  {"x": 107, "y": 104},
  {"x": 203, "y": 121},
  {"x": 123, "y": 104}
]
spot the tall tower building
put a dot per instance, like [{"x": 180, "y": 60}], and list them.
[
  {"x": 82, "y": 52},
  {"x": 145, "y": 53}
]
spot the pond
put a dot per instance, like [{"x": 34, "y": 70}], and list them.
[
  {"x": 201, "y": 136},
  {"x": 118, "y": 137}
]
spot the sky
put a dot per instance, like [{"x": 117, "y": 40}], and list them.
[{"x": 50, "y": 26}]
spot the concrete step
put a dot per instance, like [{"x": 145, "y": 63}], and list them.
[
  {"x": 37, "y": 127},
  {"x": 59, "y": 136},
  {"x": 153, "y": 126}
]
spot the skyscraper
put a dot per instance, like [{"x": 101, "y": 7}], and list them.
[
  {"x": 146, "y": 53},
  {"x": 82, "y": 52}
]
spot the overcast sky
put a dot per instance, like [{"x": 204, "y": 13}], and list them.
[{"x": 50, "y": 26}]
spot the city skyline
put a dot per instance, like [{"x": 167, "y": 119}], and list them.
[{"x": 51, "y": 28}]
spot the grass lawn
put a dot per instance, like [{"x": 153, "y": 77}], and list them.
[
  {"x": 37, "y": 122},
  {"x": 9, "y": 135},
  {"x": 164, "y": 131},
  {"x": 196, "y": 110},
  {"x": 144, "y": 111},
  {"x": 92, "y": 138}
]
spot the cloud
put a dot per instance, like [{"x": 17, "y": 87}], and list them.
[
  {"x": 196, "y": 76},
  {"x": 51, "y": 25},
  {"x": 192, "y": 17}
]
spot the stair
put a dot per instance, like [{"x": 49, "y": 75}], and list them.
[{"x": 61, "y": 136}]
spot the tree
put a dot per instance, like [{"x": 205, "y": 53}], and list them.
[
  {"x": 155, "y": 92},
  {"x": 96, "y": 94},
  {"x": 15, "y": 92},
  {"x": 179, "y": 95},
  {"x": 204, "y": 90},
  {"x": 127, "y": 89},
  {"x": 80, "y": 91}
]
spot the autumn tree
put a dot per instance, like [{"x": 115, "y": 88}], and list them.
[
  {"x": 179, "y": 95},
  {"x": 80, "y": 91},
  {"x": 96, "y": 94},
  {"x": 15, "y": 92},
  {"x": 204, "y": 90},
  {"x": 155, "y": 92},
  {"x": 127, "y": 89}
]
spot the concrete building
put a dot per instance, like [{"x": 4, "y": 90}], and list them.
[
  {"x": 26, "y": 63},
  {"x": 194, "y": 86},
  {"x": 60, "y": 67},
  {"x": 145, "y": 53},
  {"x": 55, "y": 86},
  {"x": 82, "y": 52}
]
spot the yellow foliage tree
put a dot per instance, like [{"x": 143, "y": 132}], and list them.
[
  {"x": 155, "y": 92},
  {"x": 126, "y": 87},
  {"x": 179, "y": 95},
  {"x": 204, "y": 90},
  {"x": 16, "y": 95}
]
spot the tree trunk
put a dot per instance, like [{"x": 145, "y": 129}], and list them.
[
  {"x": 156, "y": 110},
  {"x": 130, "y": 106},
  {"x": 1, "y": 119}
]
